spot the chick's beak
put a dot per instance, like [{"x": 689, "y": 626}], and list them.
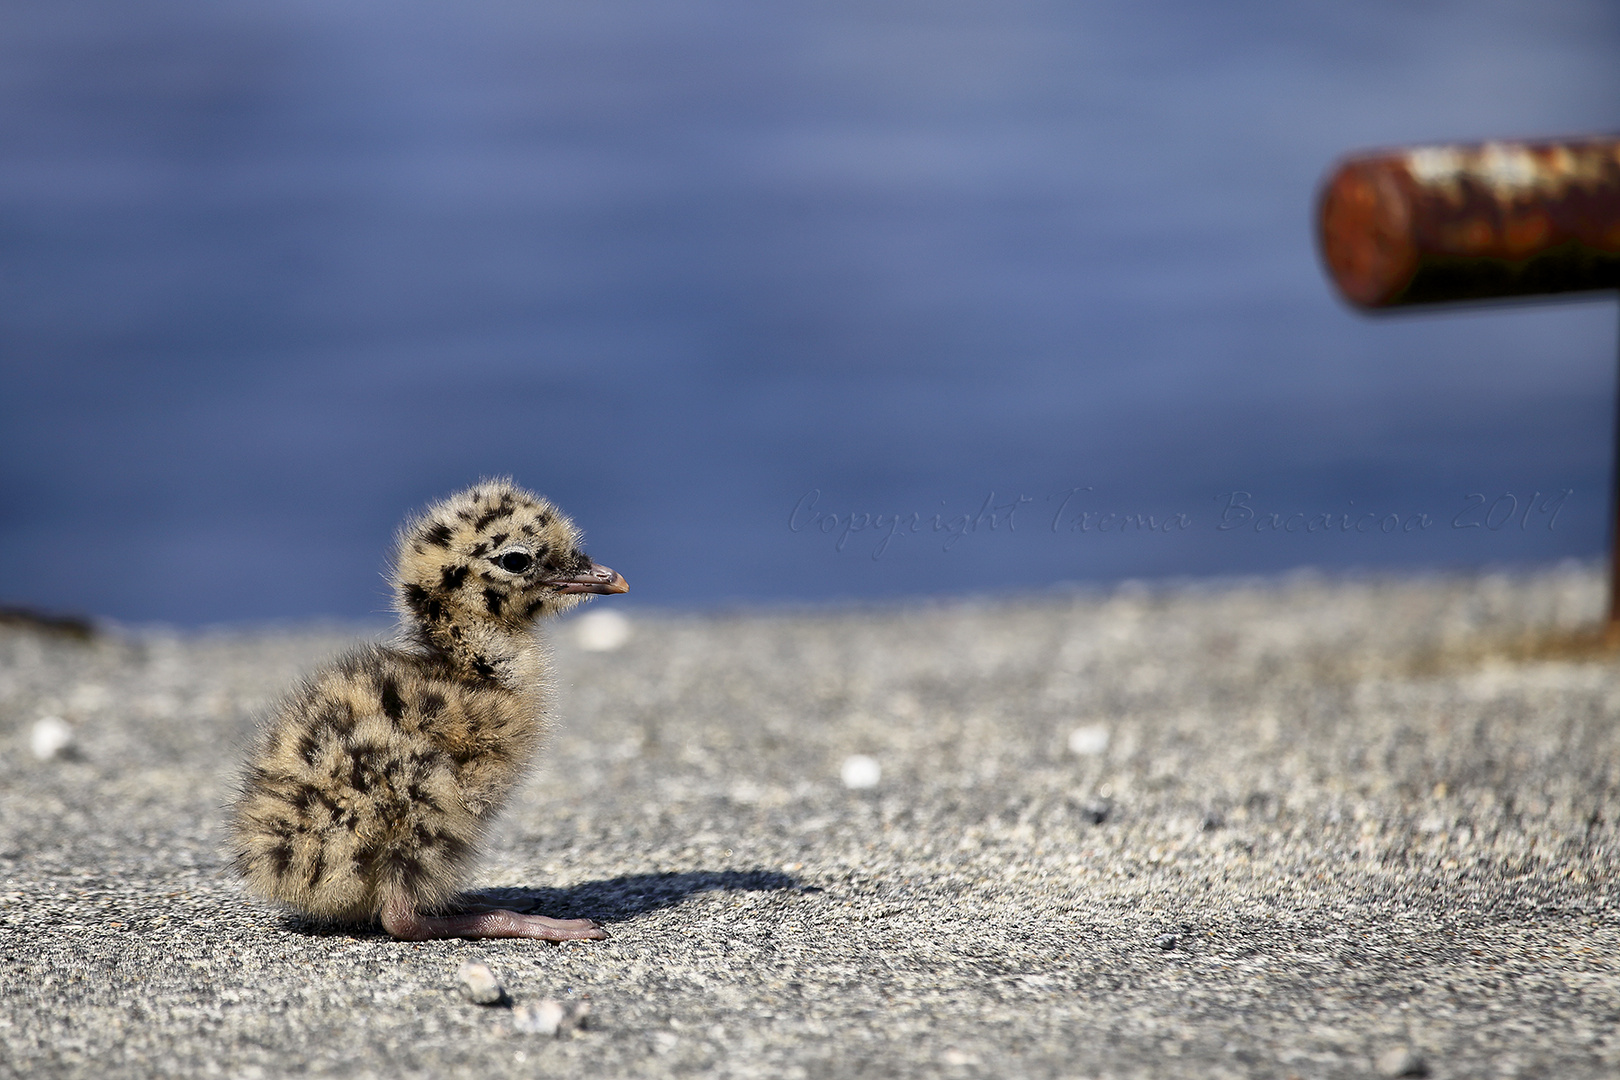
[{"x": 598, "y": 579}]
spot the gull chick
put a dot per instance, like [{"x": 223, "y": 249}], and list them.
[{"x": 373, "y": 784}]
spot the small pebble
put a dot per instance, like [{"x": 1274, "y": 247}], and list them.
[
  {"x": 1401, "y": 1061},
  {"x": 550, "y": 1017},
  {"x": 601, "y": 631},
  {"x": 479, "y": 984},
  {"x": 51, "y": 738},
  {"x": 1167, "y": 941},
  {"x": 1213, "y": 820},
  {"x": 1090, "y": 740},
  {"x": 539, "y": 1018},
  {"x": 860, "y": 771}
]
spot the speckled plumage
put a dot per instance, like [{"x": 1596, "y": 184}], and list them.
[{"x": 373, "y": 783}]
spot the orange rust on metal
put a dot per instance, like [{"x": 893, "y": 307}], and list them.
[{"x": 1470, "y": 222}]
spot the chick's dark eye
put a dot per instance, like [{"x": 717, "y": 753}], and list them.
[{"x": 515, "y": 562}]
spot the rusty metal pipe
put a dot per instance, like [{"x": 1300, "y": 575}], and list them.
[
  {"x": 1431, "y": 224},
  {"x": 1470, "y": 222}
]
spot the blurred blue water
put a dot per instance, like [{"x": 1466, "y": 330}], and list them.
[{"x": 273, "y": 275}]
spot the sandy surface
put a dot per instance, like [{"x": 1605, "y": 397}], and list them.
[{"x": 1302, "y": 825}]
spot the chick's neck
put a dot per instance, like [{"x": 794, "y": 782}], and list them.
[{"x": 480, "y": 650}]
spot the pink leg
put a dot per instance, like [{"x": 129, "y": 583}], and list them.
[{"x": 401, "y": 919}]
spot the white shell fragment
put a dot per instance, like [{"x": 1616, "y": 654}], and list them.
[
  {"x": 1088, "y": 740},
  {"x": 479, "y": 984},
  {"x": 550, "y": 1017},
  {"x": 860, "y": 771},
  {"x": 601, "y": 631},
  {"x": 51, "y": 738}
]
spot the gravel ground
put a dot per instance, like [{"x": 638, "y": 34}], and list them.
[{"x": 1305, "y": 827}]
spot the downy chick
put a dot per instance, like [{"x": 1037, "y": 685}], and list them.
[{"x": 373, "y": 784}]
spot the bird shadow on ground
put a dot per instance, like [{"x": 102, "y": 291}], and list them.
[
  {"x": 619, "y": 898},
  {"x": 607, "y": 901}
]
